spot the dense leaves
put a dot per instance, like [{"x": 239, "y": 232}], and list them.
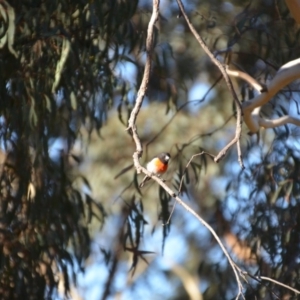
[
  {"x": 272, "y": 227},
  {"x": 57, "y": 78}
]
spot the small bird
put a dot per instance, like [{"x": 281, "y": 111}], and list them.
[{"x": 157, "y": 166}]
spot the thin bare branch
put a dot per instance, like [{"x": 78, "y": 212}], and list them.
[
  {"x": 260, "y": 278},
  {"x": 191, "y": 211},
  {"x": 145, "y": 81},
  {"x": 180, "y": 108},
  {"x": 187, "y": 165},
  {"x": 229, "y": 85},
  {"x": 201, "y": 153},
  {"x": 240, "y": 74},
  {"x": 279, "y": 283},
  {"x": 195, "y": 138},
  {"x": 278, "y": 122}
]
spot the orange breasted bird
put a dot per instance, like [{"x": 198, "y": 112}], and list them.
[{"x": 157, "y": 166}]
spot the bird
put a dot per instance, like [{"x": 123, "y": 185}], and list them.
[{"x": 157, "y": 166}]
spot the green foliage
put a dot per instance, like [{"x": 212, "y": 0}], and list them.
[
  {"x": 272, "y": 186},
  {"x": 61, "y": 79}
]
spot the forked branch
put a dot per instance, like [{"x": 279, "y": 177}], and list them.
[
  {"x": 251, "y": 109},
  {"x": 236, "y": 139}
]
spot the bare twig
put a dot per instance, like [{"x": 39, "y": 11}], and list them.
[
  {"x": 187, "y": 165},
  {"x": 145, "y": 81},
  {"x": 260, "y": 278},
  {"x": 198, "y": 136},
  {"x": 229, "y": 85},
  {"x": 279, "y": 283},
  {"x": 240, "y": 74},
  {"x": 201, "y": 153},
  {"x": 191, "y": 211},
  {"x": 181, "y": 107}
]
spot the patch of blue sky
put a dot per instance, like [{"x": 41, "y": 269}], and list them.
[
  {"x": 92, "y": 281},
  {"x": 126, "y": 70},
  {"x": 152, "y": 285},
  {"x": 190, "y": 225},
  {"x": 4, "y": 132},
  {"x": 218, "y": 185},
  {"x": 59, "y": 97},
  {"x": 293, "y": 142},
  {"x": 216, "y": 256},
  {"x": 196, "y": 93},
  {"x": 56, "y": 145}
]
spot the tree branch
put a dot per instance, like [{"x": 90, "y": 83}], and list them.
[
  {"x": 144, "y": 84},
  {"x": 191, "y": 211},
  {"x": 285, "y": 75},
  {"x": 181, "y": 107},
  {"x": 222, "y": 69},
  {"x": 260, "y": 278}
]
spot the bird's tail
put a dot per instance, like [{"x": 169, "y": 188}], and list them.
[{"x": 146, "y": 178}]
